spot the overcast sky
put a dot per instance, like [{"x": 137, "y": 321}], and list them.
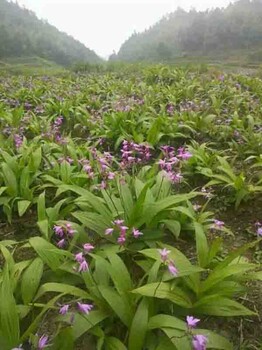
[{"x": 103, "y": 25}]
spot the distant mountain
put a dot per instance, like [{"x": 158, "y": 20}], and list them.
[
  {"x": 217, "y": 32},
  {"x": 22, "y": 34}
]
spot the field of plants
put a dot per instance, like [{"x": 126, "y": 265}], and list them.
[{"x": 131, "y": 210}]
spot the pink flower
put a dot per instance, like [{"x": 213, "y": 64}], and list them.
[
  {"x": 137, "y": 233},
  {"x": 118, "y": 222},
  {"x": 199, "y": 342},
  {"x": 83, "y": 266},
  {"x": 123, "y": 229},
  {"x": 42, "y": 342},
  {"x": 88, "y": 247},
  {"x": 64, "y": 309},
  {"x": 259, "y": 231},
  {"x": 218, "y": 224},
  {"x": 111, "y": 176},
  {"x": 109, "y": 231},
  {"x": 121, "y": 239},
  {"x": 85, "y": 308},
  {"x": 191, "y": 321},
  {"x": 61, "y": 243},
  {"x": 172, "y": 269},
  {"x": 58, "y": 230},
  {"x": 79, "y": 257},
  {"x": 164, "y": 253}
]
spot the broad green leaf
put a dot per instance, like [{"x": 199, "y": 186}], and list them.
[
  {"x": 120, "y": 306},
  {"x": 44, "y": 227},
  {"x": 9, "y": 317},
  {"x": 31, "y": 280},
  {"x": 215, "y": 341},
  {"x": 10, "y": 180},
  {"x": 163, "y": 290},
  {"x": 62, "y": 288},
  {"x": 201, "y": 245},
  {"x": 173, "y": 226},
  {"x": 119, "y": 274},
  {"x": 83, "y": 323},
  {"x": 221, "y": 274},
  {"x": 22, "y": 207},
  {"x": 113, "y": 343},
  {"x": 167, "y": 321},
  {"x": 50, "y": 255},
  {"x": 64, "y": 340},
  {"x": 215, "y": 305},
  {"x": 41, "y": 209},
  {"x": 138, "y": 328}
]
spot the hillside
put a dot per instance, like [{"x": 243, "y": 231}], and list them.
[
  {"x": 22, "y": 34},
  {"x": 216, "y": 33}
]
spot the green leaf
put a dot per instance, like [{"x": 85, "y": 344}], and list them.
[
  {"x": 64, "y": 340},
  {"x": 22, "y": 207},
  {"x": 215, "y": 305},
  {"x": 126, "y": 199},
  {"x": 44, "y": 227},
  {"x": 159, "y": 321},
  {"x": 164, "y": 290},
  {"x": 31, "y": 279},
  {"x": 201, "y": 245},
  {"x": 113, "y": 343},
  {"x": 62, "y": 288},
  {"x": 10, "y": 180},
  {"x": 83, "y": 323},
  {"x": 119, "y": 305},
  {"x": 9, "y": 317},
  {"x": 219, "y": 275},
  {"x": 119, "y": 274},
  {"x": 138, "y": 328},
  {"x": 173, "y": 226},
  {"x": 51, "y": 255},
  {"x": 41, "y": 209}
]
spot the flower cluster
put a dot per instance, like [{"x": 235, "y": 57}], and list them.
[
  {"x": 259, "y": 228},
  {"x": 121, "y": 230},
  {"x": 217, "y": 224},
  {"x": 170, "y": 263},
  {"x": 133, "y": 153},
  {"x": 199, "y": 341},
  {"x": 64, "y": 233},
  {"x": 171, "y": 162},
  {"x": 80, "y": 259}
]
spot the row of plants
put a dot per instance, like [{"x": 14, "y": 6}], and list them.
[{"x": 112, "y": 172}]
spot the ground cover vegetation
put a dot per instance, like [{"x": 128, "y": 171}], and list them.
[{"x": 130, "y": 206}]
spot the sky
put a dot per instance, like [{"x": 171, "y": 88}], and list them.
[{"x": 103, "y": 25}]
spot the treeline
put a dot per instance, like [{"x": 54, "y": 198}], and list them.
[
  {"x": 22, "y": 34},
  {"x": 212, "y": 32}
]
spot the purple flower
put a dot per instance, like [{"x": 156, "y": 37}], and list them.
[
  {"x": 172, "y": 269},
  {"x": 58, "y": 230},
  {"x": 64, "y": 309},
  {"x": 164, "y": 253},
  {"x": 199, "y": 342},
  {"x": 121, "y": 239},
  {"x": 85, "y": 308},
  {"x": 111, "y": 176},
  {"x": 191, "y": 321},
  {"x": 83, "y": 266},
  {"x": 88, "y": 247},
  {"x": 259, "y": 231},
  {"x": 123, "y": 229},
  {"x": 109, "y": 231},
  {"x": 118, "y": 222},
  {"x": 136, "y": 233},
  {"x": 61, "y": 243},
  {"x": 42, "y": 342},
  {"x": 79, "y": 257},
  {"x": 218, "y": 224}
]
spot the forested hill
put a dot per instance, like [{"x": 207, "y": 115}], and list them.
[
  {"x": 210, "y": 33},
  {"x": 22, "y": 34}
]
